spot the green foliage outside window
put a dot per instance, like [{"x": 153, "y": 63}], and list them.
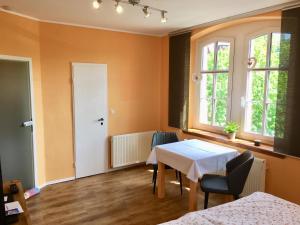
[
  {"x": 279, "y": 46},
  {"x": 262, "y": 98},
  {"x": 216, "y": 97}
]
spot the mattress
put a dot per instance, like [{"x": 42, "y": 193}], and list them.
[{"x": 258, "y": 208}]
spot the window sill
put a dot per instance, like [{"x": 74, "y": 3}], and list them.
[{"x": 239, "y": 143}]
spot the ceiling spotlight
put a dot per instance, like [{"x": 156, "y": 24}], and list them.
[
  {"x": 119, "y": 8},
  {"x": 146, "y": 11},
  {"x": 97, "y": 3},
  {"x": 163, "y": 17},
  {"x": 119, "y": 4}
]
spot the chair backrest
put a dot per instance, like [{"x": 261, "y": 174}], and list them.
[
  {"x": 160, "y": 138},
  {"x": 238, "y": 170}
]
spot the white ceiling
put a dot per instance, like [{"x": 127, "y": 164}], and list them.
[{"x": 181, "y": 14}]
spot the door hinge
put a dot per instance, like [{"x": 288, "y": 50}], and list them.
[{"x": 74, "y": 165}]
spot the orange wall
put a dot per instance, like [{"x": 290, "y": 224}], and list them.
[
  {"x": 134, "y": 63},
  {"x": 138, "y": 90},
  {"x": 20, "y": 37},
  {"x": 283, "y": 175},
  {"x": 134, "y": 70}
]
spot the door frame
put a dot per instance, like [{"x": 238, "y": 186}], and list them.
[
  {"x": 73, "y": 116},
  {"x": 34, "y": 137}
]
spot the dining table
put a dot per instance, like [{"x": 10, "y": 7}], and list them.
[{"x": 194, "y": 158}]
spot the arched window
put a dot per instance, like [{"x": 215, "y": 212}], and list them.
[
  {"x": 215, "y": 63},
  {"x": 236, "y": 76},
  {"x": 264, "y": 70}
]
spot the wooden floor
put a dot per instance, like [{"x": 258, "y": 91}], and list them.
[{"x": 121, "y": 197}]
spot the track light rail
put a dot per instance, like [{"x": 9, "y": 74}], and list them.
[{"x": 146, "y": 9}]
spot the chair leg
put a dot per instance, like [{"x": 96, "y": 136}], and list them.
[
  {"x": 206, "y": 200},
  {"x": 154, "y": 180},
  {"x": 236, "y": 197},
  {"x": 180, "y": 180},
  {"x": 153, "y": 177}
]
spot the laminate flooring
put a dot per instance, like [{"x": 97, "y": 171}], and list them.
[{"x": 121, "y": 197}]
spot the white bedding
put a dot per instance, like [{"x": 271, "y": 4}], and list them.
[{"x": 256, "y": 209}]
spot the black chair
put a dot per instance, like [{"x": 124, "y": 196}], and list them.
[
  {"x": 233, "y": 183},
  {"x": 160, "y": 138}
]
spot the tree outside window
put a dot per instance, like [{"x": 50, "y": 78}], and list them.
[
  {"x": 262, "y": 82},
  {"x": 215, "y": 71}
]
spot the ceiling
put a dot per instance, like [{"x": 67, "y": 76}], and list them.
[{"x": 181, "y": 14}]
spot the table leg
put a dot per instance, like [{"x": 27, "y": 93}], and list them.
[
  {"x": 161, "y": 180},
  {"x": 193, "y": 196}
]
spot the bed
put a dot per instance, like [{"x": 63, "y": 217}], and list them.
[{"x": 258, "y": 208}]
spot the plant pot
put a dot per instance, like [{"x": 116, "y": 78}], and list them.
[{"x": 231, "y": 136}]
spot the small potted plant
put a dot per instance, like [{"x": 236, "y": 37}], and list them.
[{"x": 231, "y": 128}]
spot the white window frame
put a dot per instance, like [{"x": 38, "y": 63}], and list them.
[
  {"x": 200, "y": 44},
  {"x": 243, "y": 132}
]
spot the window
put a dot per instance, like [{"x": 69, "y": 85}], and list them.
[
  {"x": 215, "y": 71},
  {"x": 236, "y": 76},
  {"x": 262, "y": 82}
]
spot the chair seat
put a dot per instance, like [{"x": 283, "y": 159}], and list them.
[{"x": 214, "y": 184}]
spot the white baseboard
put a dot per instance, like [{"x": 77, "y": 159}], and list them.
[
  {"x": 56, "y": 182},
  {"x": 41, "y": 186},
  {"x": 125, "y": 166},
  {"x": 73, "y": 178}
]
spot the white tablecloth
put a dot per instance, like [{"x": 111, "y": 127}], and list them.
[{"x": 193, "y": 157}]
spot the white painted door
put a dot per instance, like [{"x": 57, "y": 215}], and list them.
[{"x": 90, "y": 118}]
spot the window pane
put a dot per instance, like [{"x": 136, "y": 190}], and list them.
[
  {"x": 256, "y": 116},
  {"x": 220, "y": 113},
  {"x": 207, "y": 81},
  {"x": 208, "y": 57},
  {"x": 259, "y": 50},
  {"x": 275, "y": 50},
  {"x": 221, "y": 99},
  {"x": 273, "y": 86},
  {"x": 285, "y": 49},
  {"x": 206, "y": 111},
  {"x": 257, "y": 88},
  {"x": 206, "y": 97},
  {"x": 221, "y": 85},
  {"x": 272, "y": 103},
  {"x": 223, "y": 56},
  {"x": 255, "y": 101},
  {"x": 271, "y": 119},
  {"x": 281, "y": 103}
]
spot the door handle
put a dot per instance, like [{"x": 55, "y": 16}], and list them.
[
  {"x": 28, "y": 123},
  {"x": 101, "y": 120}
]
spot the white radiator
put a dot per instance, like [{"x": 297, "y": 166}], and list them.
[
  {"x": 257, "y": 177},
  {"x": 128, "y": 149}
]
